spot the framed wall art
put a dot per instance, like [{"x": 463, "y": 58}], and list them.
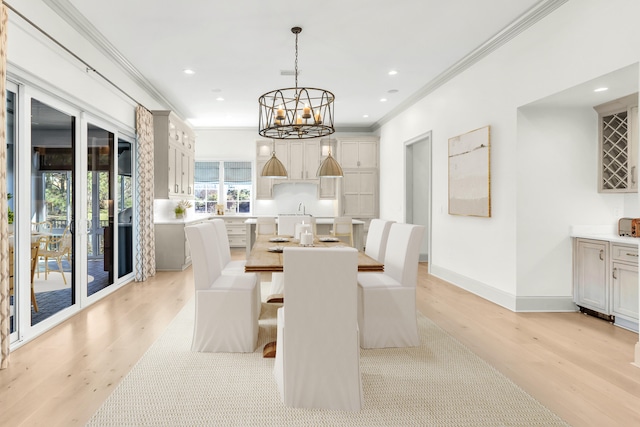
[{"x": 469, "y": 174}]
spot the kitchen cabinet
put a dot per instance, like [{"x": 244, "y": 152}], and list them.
[
  {"x": 300, "y": 158},
  {"x": 359, "y": 185},
  {"x": 236, "y": 231},
  {"x": 172, "y": 248},
  {"x": 606, "y": 280},
  {"x": 264, "y": 186},
  {"x": 591, "y": 274},
  {"x": 358, "y": 152},
  {"x": 624, "y": 286},
  {"x": 360, "y": 193},
  {"x": 174, "y": 156},
  {"x": 618, "y": 145}
]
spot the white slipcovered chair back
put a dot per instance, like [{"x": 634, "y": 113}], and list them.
[
  {"x": 222, "y": 240},
  {"x": 205, "y": 253},
  {"x": 377, "y": 237},
  {"x": 403, "y": 253},
  {"x": 317, "y": 352},
  {"x": 287, "y": 223},
  {"x": 266, "y": 225},
  {"x": 227, "y": 306}
]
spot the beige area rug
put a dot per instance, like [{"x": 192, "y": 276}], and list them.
[
  {"x": 441, "y": 383},
  {"x": 53, "y": 282}
]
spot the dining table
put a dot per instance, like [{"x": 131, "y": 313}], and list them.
[{"x": 266, "y": 255}]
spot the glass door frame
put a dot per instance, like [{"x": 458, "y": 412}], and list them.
[
  {"x": 15, "y": 89},
  {"x": 22, "y": 232},
  {"x": 23, "y": 182}
]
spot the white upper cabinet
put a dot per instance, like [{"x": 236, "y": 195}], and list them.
[
  {"x": 618, "y": 145},
  {"x": 174, "y": 156},
  {"x": 359, "y": 153}
]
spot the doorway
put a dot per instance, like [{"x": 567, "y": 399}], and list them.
[{"x": 418, "y": 188}]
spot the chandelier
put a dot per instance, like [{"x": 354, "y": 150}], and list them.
[{"x": 296, "y": 112}]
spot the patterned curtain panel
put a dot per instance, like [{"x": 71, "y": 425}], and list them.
[
  {"x": 146, "y": 254},
  {"x": 4, "y": 231}
]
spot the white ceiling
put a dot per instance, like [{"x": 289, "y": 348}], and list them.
[{"x": 238, "y": 49}]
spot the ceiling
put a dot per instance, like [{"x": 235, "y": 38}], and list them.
[{"x": 238, "y": 49}]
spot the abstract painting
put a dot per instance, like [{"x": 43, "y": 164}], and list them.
[{"x": 469, "y": 174}]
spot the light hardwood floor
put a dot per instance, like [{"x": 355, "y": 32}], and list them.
[{"x": 578, "y": 366}]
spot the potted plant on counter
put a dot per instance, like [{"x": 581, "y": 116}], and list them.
[{"x": 181, "y": 208}]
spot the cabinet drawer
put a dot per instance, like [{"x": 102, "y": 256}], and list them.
[
  {"x": 624, "y": 253},
  {"x": 233, "y": 229},
  {"x": 237, "y": 241}
]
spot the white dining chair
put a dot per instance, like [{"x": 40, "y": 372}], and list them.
[
  {"x": 317, "y": 363},
  {"x": 226, "y": 318},
  {"x": 343, "y": 227},
  {"x": 387, "y": 301},
  {"x": 377, "y": 236},
  {"x": 287, "y": 223},
  {"x": 266, "y": 226},
  {"x": 228, "y": 265}
]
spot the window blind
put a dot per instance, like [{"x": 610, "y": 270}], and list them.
[{"x": 207, "y": 172}]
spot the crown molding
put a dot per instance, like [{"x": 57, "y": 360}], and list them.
[
  {"x": 524, "y": 21},
  {"x": 75, "y": 19}
]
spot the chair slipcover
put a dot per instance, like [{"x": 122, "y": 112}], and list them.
[
  {"x": 287, "y": 223},
  {"x": 226, "y": 318},
  {"x": 343, "y": 226},
  {"x": 377, "y": 239},
  {"x": 227, "y": 265},
  {"x": 387, "y": 301},
  {"x": 317, "y": 361},
  {"x": 266, "y": 225}
]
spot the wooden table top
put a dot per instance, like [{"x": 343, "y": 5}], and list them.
[{"x": 261, "y": 260}]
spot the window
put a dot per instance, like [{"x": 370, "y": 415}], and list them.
[{"x": 225, "y": 183}]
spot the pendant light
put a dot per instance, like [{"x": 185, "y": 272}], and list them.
[
  {"x": 274, "y": 167},
  {"x": 330, "y": 168}
]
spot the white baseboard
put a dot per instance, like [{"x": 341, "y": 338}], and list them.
[{"x": 505, "y": 299}]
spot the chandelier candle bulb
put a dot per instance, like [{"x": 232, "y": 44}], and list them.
[
  {"x": 306, "y": 112},
  {"x": 318, "y": 120},
  {"x": 280, "y": 114}
]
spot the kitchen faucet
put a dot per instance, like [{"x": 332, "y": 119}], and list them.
[{"x": 304, "y": 209}]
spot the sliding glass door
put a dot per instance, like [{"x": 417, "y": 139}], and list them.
[
  {"x": 100, "y": 198},
  {"x": 51, "y": 216},
  {"x": 70, "y": 179}
]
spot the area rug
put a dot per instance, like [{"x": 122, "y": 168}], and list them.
[
  {"x": 440, "y": 383},
  {"x": 53, "y": 282}
]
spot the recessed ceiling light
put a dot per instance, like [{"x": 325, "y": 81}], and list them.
[
  {"x": 219, "y": 98},
  {"x": 393, "y": 72},
  {"x": 189, "y": 71},
  {"x": 365, "y": 116},
  {"x": 392, "y": 91},
  {"x": 383, "y": 99},
  {"x": 216, "y": 90},
  {"x": 601, "y": 89}
]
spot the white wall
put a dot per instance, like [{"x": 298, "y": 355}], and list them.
[
  {"x": 37, "y": 60},
  {"x": 570, "y": 46}
]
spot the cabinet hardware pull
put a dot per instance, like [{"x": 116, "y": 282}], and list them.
[
  {"x": 601, "y": 255},
  {"x": 615, "y": 276},
  {"x": 630, "y": 254},
  {"x": 177, "y": 190},
  {"x": 633, "y": 174}
]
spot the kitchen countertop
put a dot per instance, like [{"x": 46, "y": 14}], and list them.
[
  {"x": 601, "y": 232},
  {"x": 323, "y": 220}
]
